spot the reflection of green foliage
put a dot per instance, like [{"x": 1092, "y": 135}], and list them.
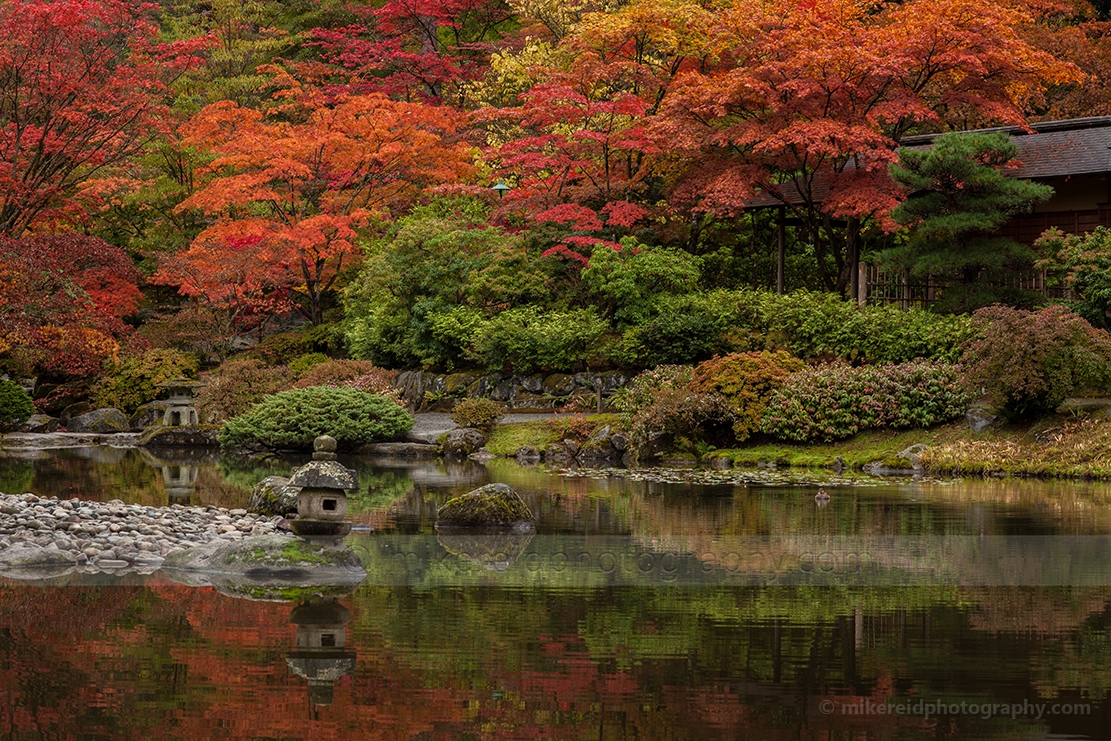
[
  {"x": 245, "y": 473},
  {"x": 379, "y": 490},
  {"x": 16, "y": 476}
]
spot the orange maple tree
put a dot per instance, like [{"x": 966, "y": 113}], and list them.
[
  {"x": 578, "y": 146},
  {"x": 808, "y": 100},
  {"x": 290, "y": 188}
]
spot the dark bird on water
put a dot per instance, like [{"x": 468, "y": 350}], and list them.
[{"x": 821, "y": 496}]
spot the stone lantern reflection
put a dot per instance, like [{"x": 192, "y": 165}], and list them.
[
  {"x": 180, "y": 480},
  {"x": 321, "y": 656},
  {"x": 322, "y": 503},
  {"x": 182, "y": 396}
]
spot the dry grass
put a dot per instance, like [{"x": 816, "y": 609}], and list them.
[{"x": 1079, "y": 448}]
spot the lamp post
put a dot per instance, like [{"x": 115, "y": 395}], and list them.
[{"x": 501, "y": 188}]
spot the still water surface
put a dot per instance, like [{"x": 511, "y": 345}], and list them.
[{"x": 647, "y": 606}]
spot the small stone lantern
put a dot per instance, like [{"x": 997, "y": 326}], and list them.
[
  {"x": 180, "y": 412},
  {"x": 324, "y": 483},
  {"x": 321, "y": 657}
]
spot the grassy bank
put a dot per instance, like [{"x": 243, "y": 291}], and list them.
[
  {"x": 505, "y": 439},
  {"x": 1054, "y": 447}
]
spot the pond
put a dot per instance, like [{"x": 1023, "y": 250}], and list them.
[{"x": 648, "y": 605}]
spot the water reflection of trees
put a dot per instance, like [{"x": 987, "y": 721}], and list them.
[{"x": 644, "y": 663}]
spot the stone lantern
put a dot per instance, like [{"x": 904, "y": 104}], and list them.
[
  {"x": 321, "y": 656},
  {"x": 322, "y": 503},
  {"x": 180, "y": 411}
]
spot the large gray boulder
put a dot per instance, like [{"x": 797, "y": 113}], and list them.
[
  {"x": 39, "y": 424},
  {"x": 461, "y": 442},
  {"x": 979, "y": 417},
  {"x": 494, "y": 506},
  {"x": 25, "y": 561},
  {"x": 150, "y": 414},
  {"x": 273, "y": 496},
  {"x": 101, "y": 421}
]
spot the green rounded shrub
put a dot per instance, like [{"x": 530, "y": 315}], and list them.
[
  {"x": 302, "y": 363},
  {"x": 15, "y": 405},
  {"x": 529, "y": 340},
  {"x": 746, "y": 380},
  {"x": 481, "y": 414},
  {"x": 293, "y": 419},
  {"x": 823, "y": 325},
  {"x": 134, "y": 381}
]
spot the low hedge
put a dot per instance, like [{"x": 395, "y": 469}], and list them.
[{"x": 838, "y": 401}]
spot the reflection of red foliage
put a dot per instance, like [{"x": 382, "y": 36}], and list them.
[{"x": 118, "y": 661}]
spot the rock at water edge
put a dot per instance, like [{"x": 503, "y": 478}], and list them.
[
  {"x": 490, "y": 506},
  {"x": 273, "y": 496}
]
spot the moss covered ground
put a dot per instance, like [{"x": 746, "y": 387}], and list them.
[
  {"x": 506, "y": 438},
  {"x": 1053, "y": 447}
]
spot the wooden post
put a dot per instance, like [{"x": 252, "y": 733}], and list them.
[
  {"x": 862, "y": 284},
  {"x": 781, "y": 243},
  {"x": 906, "y": 289},
  {"x": 853, "y": 229}
]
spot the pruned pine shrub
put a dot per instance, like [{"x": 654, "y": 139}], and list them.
[
  {"x": 15, "y": 405},
  {"x": 746, "y": 380},
  {"x": 838, "y": 401},
  {"x": 292, "y": 419}
]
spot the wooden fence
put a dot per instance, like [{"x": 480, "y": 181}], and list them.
[{"x": 899, "y": 287}]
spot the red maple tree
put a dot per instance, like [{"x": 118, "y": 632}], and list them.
[
  {"x": 61, "y": 302},
  {"x": 80, "y": 84}
]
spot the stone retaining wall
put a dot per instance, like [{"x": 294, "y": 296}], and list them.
[{"x": 428, "y": 392}]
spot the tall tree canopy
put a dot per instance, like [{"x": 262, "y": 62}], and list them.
[
  {"x": 808, "y": 99},
  {"x": 79, "y": 89},
  {"x": 301, "y": 188}
]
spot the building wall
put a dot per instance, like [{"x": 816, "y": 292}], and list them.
[{"x": 1075, "y": 193}]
